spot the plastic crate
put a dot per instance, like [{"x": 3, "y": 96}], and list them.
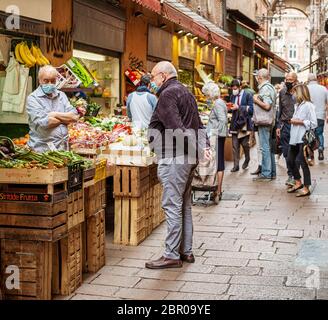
[
  {"x": 100, "y": 170},
  {"x": 75, "y": 177}
]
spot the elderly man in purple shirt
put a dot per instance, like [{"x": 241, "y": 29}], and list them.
[{"x": 49, "y": 114}]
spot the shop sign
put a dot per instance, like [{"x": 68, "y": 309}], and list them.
[
  {"x": 24, "y": 197},
  {"x": 59, "y": 41},
  {"x": 245, "y": 32}
]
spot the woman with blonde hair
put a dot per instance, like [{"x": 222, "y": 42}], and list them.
[
  {"x": 217, "y": 130},
  {"x": 304, "y": 119}
]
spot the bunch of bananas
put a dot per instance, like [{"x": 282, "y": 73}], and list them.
[{"x": 30, "y": 57}]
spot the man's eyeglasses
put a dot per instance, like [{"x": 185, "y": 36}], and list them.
[{"x": 152, "y": 77}]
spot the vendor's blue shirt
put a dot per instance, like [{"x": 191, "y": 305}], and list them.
[{"x": 39, "y": 105}]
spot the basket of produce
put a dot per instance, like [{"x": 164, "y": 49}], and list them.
[{"x": 92, "y": 109}]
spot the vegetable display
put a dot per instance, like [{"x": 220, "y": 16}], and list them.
[{"x": 25, "y": 158}]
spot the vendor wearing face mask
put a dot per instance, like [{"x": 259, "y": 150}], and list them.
[
  {"x": 241, "y": 123},
  {"x": 49, "y": 114},
  {"x": 286, "y": 110}
]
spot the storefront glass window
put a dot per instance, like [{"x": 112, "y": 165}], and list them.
[{"x": 106, "y": 71}]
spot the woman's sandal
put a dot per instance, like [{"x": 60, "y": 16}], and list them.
[
  {"x": 294, "y": 189},
  {"x": 303, "y": 193}
]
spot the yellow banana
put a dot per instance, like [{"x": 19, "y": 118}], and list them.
[
  {"x": 41, "y": 55},
  {"x": 22, "y": 52},
  {"x": 36, "y": 55},
  {"x": 29, "y": 54},
  {"x": 17, "y": 54}
]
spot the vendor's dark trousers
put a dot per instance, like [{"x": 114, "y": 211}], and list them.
[
  {"x": 236, "y": 143},
  {"x": 284, "y": 142},
  {"x": 296, "y": 160},
  {"x": 176, "y": 179}
]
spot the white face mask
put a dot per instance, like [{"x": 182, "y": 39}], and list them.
[{"x": 235, "y": 92}]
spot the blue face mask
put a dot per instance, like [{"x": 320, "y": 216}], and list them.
[
  {"x": 48, "y": 88},
  {"x": 154, "y": 87}
]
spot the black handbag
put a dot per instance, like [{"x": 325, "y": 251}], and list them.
[{"x": 310, "y": 139}]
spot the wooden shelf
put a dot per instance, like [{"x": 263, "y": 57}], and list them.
[{"x": 76, "y": 89}]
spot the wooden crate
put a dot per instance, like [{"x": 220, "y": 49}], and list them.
[
  {"x": 130, "y": 181},
  {"x": 95, "y": 198},
  {"x": 67, "y": 269},
  {"x": 130, "y": 221},
  {"x": 153, "y": 178},
  {"x": 95, "y": 238},
  {"x": 75, "y": 209},
  {"x": 158, "y": 212},
  {"x": 34, "y": 261},
  {"x": 29, "y": 220}
]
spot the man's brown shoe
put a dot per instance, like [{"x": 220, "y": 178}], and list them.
[
  {"x": 187, "y": 258},
  {"x": 164, "y": 263}
]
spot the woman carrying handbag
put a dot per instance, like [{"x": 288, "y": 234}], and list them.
[{"x": 304, "y": 121}]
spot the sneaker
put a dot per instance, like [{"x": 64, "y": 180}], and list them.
[
  {"x": 290, "y": 182},
  {"x": 321, "y": 156},
  {"x": 262, "y": 179},
  {"x": 235, "y": 169}
]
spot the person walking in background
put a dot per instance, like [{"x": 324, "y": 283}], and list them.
[
  {"x": 246, "y": 87},
  {"x": 286, "y": 111},
  {"x": 319, "y": 97},
  {"x": 141, "y": 104},
  {"x": 264, "y": 118},
  {"x": 217, "y": 128},
  {"x": 175, "y": 118},
  {"x": 241, "y": 123},
  {"x": 304, "y": 118}
]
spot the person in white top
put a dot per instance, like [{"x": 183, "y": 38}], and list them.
[
  {"x": 141, "y": 104},
  {"x": 319, "y": 97},
  {"x": 304, "y": 119}
]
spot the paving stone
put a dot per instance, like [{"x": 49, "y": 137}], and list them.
[
  {"x": 194, "y": 268},
  {"x": 166, "y": 285},
  {"x": 112, "y": 261},
  {"x": 251, "y": 298},
  {"x": 247, "y": 271},
  {"x": 260, "y": 231},
  {"x": 283, "y": 272},
  {"x": 195, "y": 296},
  {"x": 205, "y": 287},
  {"x": 231, "y": 254},
  {"x": 247, "y": 236},
  {"x": 130, "y": 254},
  {"x": 138, "y": 263},
  {"x": 218, "y": 229},
  {"x": 120, "y": 271},
  {"x": 226, "y": 262},
  {"x": 97, "y": 290},
  {"x": 91, "y": 297},
  {"x": 313, "y": 252},
  {"x": 291, "y": 233},
  {"x": 140, "y": 294},
  {"x": 119, "y": 281},
  {"x": 268, "y": 264},
  {"x": 276, "y": 257},
  {"x": 322, "y": 294},
  {"x": 258, "y": 280},
  {"x": 201, "y": 277},
  {"x": 159, "y": 274},
  {"x": 273, "y": 291},
  {"x": 89, "y": 277},
  {"x": 280, "y": 239}
]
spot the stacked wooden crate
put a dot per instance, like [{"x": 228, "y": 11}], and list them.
[
  {"x": 94, "y": 227},
  {"x": 38, "y": 216},
  {"x": 134, "y": 203}
]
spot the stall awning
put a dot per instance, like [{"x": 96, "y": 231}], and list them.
[
  {"x": 153, "y": 5},
  {"x": 244, "y": 31},
  {"x": 199, "y": 25},
  {"x": 240, "y": 17},
  {"x": 281, "y": 63},
  {"x": 313, "y": 63},
  {"x": 267, "y": 52}
]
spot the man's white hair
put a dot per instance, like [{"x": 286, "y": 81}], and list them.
[
  {"x": 264, "y": 74},
  {"x": 312, "y": 77},
  {"x": 211, "y": 90},
  {"x": 48, "y": 71},
  {"x": 166, "y": 67}
]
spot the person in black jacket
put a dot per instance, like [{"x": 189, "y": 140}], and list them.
[
  {"x": 179, "y": 139},
  {"x": 241, "y": 123}
]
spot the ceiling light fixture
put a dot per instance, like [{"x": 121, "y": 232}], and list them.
[
  {"x": 195, "y": 38},
  {"x": 163, "y": 26},
  {"x": 202, "y": 42},
  {"x": 180, "y": 31},
  {"x": 189, "y": 34}
]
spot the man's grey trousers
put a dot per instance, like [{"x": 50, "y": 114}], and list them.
[{"x": 176, "y": 179}]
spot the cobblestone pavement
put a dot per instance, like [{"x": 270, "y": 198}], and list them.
[{"x": 266, "y": 245}]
